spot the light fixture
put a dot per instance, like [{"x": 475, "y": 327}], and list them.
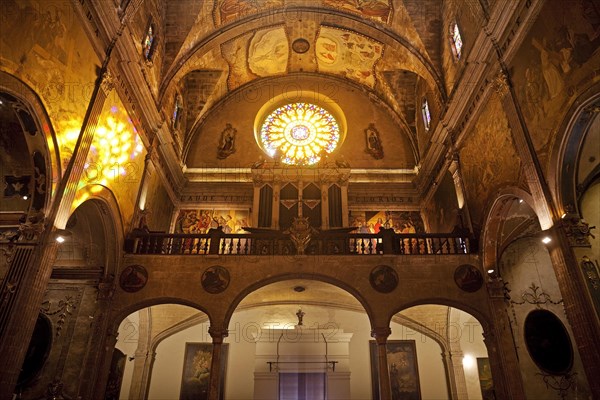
[
  {"x": 468, "y": 361},
  {"x": 490, "y": 271},
  {"x": 25, "y": 197},
  {"x": 62, "y": 235},
  {"x": 546, "y": 239},
  {"x": 563, "y": 216},
  {"x": 520, "y": 201}
]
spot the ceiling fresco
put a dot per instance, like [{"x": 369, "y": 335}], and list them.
[
  {"x": 268, "y": 52},
  {"x": 379, "y": 10},
  {"x": 348, "y": 54}
]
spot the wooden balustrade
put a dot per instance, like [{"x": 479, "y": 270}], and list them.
[{"x": 365, "y": 244}]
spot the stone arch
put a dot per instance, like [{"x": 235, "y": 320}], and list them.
[
  {"x": 262, "y": 283},
  {"x": 575, "y": 128},
  {"x": 493, "y": 223},
  {"x": 33, "y": 117}
]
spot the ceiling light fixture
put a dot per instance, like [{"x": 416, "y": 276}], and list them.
[
  {"x": 62, "y": 235},
  {"x": 546, "y": 239}
]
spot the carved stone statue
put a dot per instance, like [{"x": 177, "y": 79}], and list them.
[
  {"x": 227, "y": 143},
  {"x": 301, "y": 233}
]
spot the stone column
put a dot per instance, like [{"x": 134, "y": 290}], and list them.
[
  {"x": 381, "y": 334},
  {"x": 578, "y": 304},
  {"x": 214, "y": 386},
  {"x": 504, "y": 361},
  {"x": 457, "y": 385},
  {"x": 103, "y": 368},
  {"x": 23, "y": 289},
  {"x": 578, "y": 307},
  {"x": 459, "y": 186}
]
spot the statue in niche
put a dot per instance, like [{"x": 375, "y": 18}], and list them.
[
  {"x": 374, "y": 147},
  {"x": 227, "y": 142}
]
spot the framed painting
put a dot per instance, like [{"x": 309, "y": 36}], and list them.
[
  {"x": 196, "y": 371},
  {"x": 485, "y": 378},
  {"x": 403, "y": 369}
]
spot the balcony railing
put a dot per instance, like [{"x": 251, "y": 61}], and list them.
[{"x": 264, "y": 244}]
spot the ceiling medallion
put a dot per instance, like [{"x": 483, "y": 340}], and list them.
[{"x": 300, "y": 46}]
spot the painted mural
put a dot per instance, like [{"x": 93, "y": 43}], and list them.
[
  {"x": 378, "y": 10},
  {"x": 374, "y": 221},
  {"x": 348, "y": 54},
  {"x": 549, "y": 69},
  {"x": 226, "y": 11},
  {"x": 50, "y": 59},
  {"x": 268, "y": 52},
  {"x": 442, "y": 210},
  {"x": 488, "y": 159},
  {"x": 235, "y": 52},
  {"x": 201, "y": 221}
]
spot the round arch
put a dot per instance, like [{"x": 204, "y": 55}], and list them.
[
  {"x": 562, "y": 175},
  {"x": 493, "y": 222},
  {"x": 41, "y": 138},
  {"x": 279, "y": 278}
]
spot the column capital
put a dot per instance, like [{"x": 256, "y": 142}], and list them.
[
  {"x": 107, "y": 83},
  {"x": 217, "y": 333},
  {"x": 381, "y": 334},
  {"x": 578, "y": 231}
]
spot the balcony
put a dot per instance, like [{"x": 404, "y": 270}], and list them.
[{"x": 336, "y": 242}]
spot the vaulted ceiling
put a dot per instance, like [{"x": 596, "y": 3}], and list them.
[{"x": 390, "y": 50}]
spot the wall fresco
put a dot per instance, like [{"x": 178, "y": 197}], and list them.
[
  {"x": 235, "y": 52},
  {"x": 400, "y": 221},
  {"x": 201, "y": 221},
  {"x": 488, "y": 159},
  {"x": 557, "y": 60},
  {"x": 348, "y": 54}
]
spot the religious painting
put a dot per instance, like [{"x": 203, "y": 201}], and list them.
[
  {"x": 268, "y": 52},
  {"x": 133, "y": 278},
  {"x": 555, "y": 60},
  {"x": 227, "y": 142},
  {"x": 374, "y": 146},
  {"x": 115, "y": 375},
  {"x": 468, "y": 278},
  {"x": 201, "y": 221},
  {"x": 383, "y": 278},
  {"x": 195, "y": 379},
  {"x": 402, "y": 367},
  {"x": 485, "y": 378},
  {"x": 229, "y": 10},
  {"x": 215, "y": 279},
  {"x": 399, "y": 221},
  {"x": 378, "y": 10},
  {"x": 349, "y": 54}
]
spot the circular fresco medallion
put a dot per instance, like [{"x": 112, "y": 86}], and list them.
[
  {"x": 133, "y": 278},
  {"x": 300, "y": 46},
  {"x": 468, "y": 278},
  {"x": 215, "y": 279},
  {"x": 384, "y": 279}
]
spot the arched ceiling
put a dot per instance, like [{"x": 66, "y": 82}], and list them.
[{"x": 212, "y": 49}]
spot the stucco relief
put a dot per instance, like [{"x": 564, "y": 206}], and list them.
[
  {"x": 489, "y": 159},
  {"x": 348, "y": 54},
  {"x": 268, "y": 52},
  {"x": 550, "y": 68}
]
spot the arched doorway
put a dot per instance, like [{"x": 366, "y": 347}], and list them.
[{"x": 167, "y": 352}]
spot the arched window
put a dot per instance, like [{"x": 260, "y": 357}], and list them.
[
  {"x": 177, "y": 109},
  {"x": 149, "y": 42},
  {"x": 426, "y": 115},
  {"x": 457, "y": 42}
]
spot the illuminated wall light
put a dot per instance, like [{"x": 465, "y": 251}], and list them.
[
  {"x": 520, "y": 201},
  {"x": 468, "y": 361},
  {"x": 546, "y": 239},
  {"x": 25, "y": 197},
  {"x": 490, "y": 271},
  {"x": 563, "y": 216},
  {"x": 60, "y": 239}
]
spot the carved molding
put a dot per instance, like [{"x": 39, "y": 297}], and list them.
[
  {"x": 63, "y": 309},
  {"x": 577, "y": 230}
]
